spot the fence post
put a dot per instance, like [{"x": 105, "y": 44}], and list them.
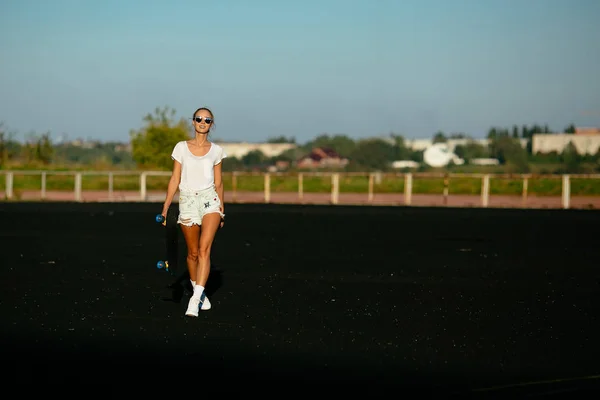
[
  {"x": 335, "y": 188},
  {"x": 446, "y": 190},
  {"x": 110, "y": 185},
  {"x": 300, "y": 186},
  {"x": 9, "y": 185},
  {"x": 407, "y": 188},
  {"x": 566, "y": 191},
  {"x": 78, "y": 186},
  {"x": 267, "y": 187},
  {"x": 525, "y": 188},
  {"x": 43, "y": 195},
  {"x": 234, "y": 186},
  {"x": 485, "y": 190},
  {"x": 371, "y": 179},
  {"x": 143, "y": 186}
]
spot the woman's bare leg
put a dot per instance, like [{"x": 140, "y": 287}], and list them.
[
  {"x": 199, "y": 241},
  {"x": 192, "y": 241},
  {"x": 210, "y": 225}
]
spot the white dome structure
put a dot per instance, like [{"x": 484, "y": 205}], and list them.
[{"x": 439, "y": 155}]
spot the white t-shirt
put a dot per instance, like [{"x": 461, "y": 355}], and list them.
[{"x": 197, "y": 173}]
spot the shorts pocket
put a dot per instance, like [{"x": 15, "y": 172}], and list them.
[{"x": 186, "y": 206}]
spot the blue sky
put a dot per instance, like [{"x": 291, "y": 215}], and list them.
[{"x": 92, "y": 69}]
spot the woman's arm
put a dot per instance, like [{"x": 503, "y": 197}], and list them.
[{"x": 172, "y": 187}]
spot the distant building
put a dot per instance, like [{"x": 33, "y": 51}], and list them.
[
  {"x": 322, "y": 158},
  {"x": 423, "y": 144},
  {"x": 240, "y": 149},
  {"x": 587, "y": 131},
  {"x": 585, "y": 140},
  {"x": 484, "y": 161},
  {"x": 280, "y": 165},
  {"x": 126, "y": 147},
  {"x": 400, "y": 164},
  {"x": 84, "y": 144}
]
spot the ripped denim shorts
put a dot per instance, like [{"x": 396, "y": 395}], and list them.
[{"x": 195, "y": 204}]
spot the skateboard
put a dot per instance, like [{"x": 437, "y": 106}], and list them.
[
  {"x": 169, "y": 224},
  {"x": 179, "y": 285}
]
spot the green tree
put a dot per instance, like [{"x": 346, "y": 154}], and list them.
[
  {"x": 492, "y": 134},
  {"x": 470, "y": 150},
  {"x": 3, "y": 147},
  {"x": 32, "y": 149},
  {"x": 571, "y": 159},
  {"x": 510, "y": 152},
  {"x": 44, "y": 151},
  {"x": 254, "y": 158},
  {"x": 439, "y": 137},
  {"x": 401, "y": 151},
  {"x": 153, "y": 144},
  {"x": 342, "y": 144},
  {"x": 233, "y": 164},
  {"x": 373, "y": 154},
  {"x": 515, "y": 132},
  {"x": 292, "y": 155},
  {"x": 570, "y": 129},
  {"x": 281, "y": 139}
]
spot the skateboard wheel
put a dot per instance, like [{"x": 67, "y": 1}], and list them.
[
  {"x": 161, "y": 265},
  {"x": 159, "y": 218}
]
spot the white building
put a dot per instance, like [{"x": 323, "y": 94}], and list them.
[
  {"x": 423, "y": 144},
  {"x": 399, "y": 164},
  {"x": 556, "y": 142},
  {"x": 240, "y": 149}
]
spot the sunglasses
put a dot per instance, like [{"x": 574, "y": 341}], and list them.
[{"x": 206, "y": 119}]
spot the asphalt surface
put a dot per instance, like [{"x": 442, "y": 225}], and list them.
[{"x": 473, "y": 301}]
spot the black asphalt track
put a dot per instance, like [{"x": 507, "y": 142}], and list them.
[{"x": 472, "y": 301}]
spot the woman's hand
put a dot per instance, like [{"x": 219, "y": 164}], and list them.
[{"x": 164, "y": 214}]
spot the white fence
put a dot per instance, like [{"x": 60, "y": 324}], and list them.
[
  {"x": 78, "y": 175},
  {"x": 266, "y": 195}
]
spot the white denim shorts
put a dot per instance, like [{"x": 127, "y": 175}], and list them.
[{"x": 194, "y": 205}]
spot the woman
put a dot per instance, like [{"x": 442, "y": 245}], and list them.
[{"x": 197, "y": 176}]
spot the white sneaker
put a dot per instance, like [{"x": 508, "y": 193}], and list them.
[
  {"x": 193, "y": 306},
  {"x": 205, "y": 304}
]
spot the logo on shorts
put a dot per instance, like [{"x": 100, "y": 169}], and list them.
[{"x": 206, "y": 205}]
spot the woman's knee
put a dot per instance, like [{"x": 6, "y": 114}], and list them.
[
  {"x": 204, "y": 252},
  {"x": 192, "y": 255}
]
